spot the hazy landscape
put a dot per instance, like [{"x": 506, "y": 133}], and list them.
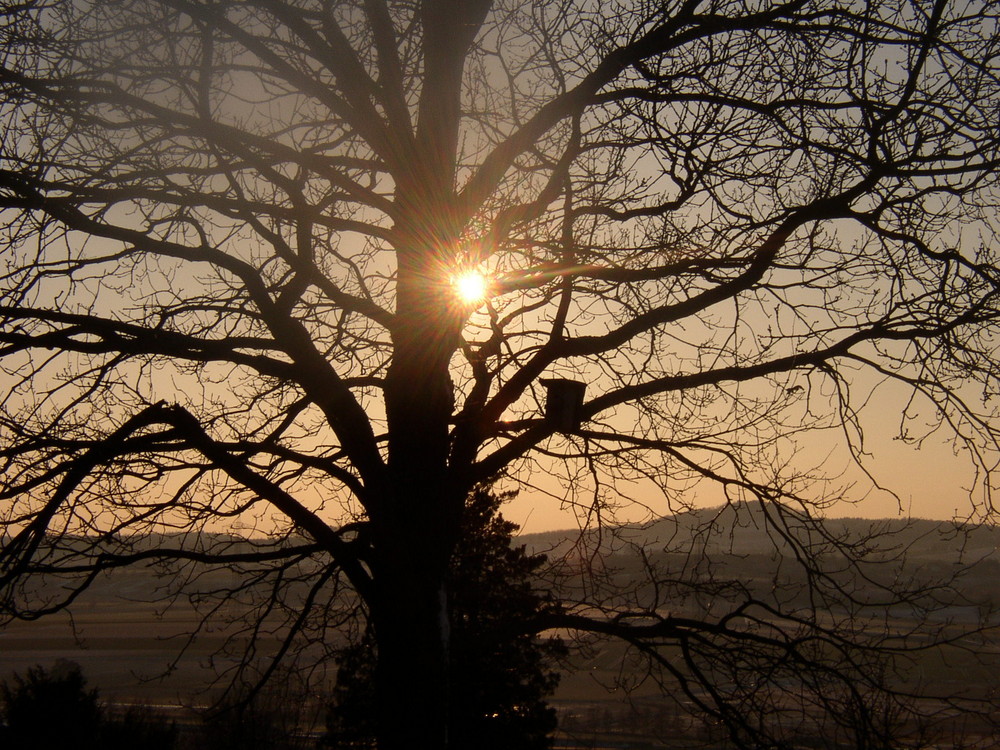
[{"x": 128, "y": 644}]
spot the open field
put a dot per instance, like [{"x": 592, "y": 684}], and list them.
[
  {"x": 130, "y": 655},
  {"x": 127, "y": 652}
]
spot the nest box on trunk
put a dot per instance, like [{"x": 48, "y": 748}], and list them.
[{"x": 564, "y": 403}]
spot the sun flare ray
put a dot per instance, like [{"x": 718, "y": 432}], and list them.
[{"x": 471, "y": 287}]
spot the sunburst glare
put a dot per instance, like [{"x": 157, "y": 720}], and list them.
[{"x": 471, "y": 287}]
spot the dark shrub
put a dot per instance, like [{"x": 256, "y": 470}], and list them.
[{"x": 51, "y": 709}]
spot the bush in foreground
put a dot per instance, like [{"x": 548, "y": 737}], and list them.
[{"x": 54, "y": 709}]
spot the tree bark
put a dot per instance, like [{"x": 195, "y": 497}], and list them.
[
  {"x": 411, "y": 677},
  {"x": 415, "y": 525}
]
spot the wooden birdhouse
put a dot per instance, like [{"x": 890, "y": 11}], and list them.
[{"x": 564, "y": 403}]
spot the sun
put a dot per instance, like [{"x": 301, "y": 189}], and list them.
[{"x": 471, "y": 287}]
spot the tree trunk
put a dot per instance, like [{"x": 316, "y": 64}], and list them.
[
  {"x": 411, "y": 632},
  {"x": 416, "y": 523}
]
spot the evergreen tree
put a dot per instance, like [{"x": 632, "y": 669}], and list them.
[
  {"x": 53, "y": 709},
  {"x": 50, "y": 708},
  {"x": 500, "y": 675}
]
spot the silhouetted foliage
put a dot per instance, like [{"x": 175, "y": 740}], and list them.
[
  {"x": 52, "y": 709},
  {"x": 274, "y": 716},
  {"x": 138, "y": 727},
  {"x": 351, "y": 719},
  {"x": 258, "y": 725},
  {"x": 499, "y": 672}
]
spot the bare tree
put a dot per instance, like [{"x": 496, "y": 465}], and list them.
[{"x": 231, "y": 232}]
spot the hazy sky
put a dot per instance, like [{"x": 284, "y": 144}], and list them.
[{"x": 932, "y": 480}]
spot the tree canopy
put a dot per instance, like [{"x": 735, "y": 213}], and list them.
[{"x": 230, "y": 232}]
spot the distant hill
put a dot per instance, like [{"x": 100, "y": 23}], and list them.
[
  {"x": 743, "y": 528},
  {"x": 739, "y": 538},
  {"x": 762, "y": 552}
]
